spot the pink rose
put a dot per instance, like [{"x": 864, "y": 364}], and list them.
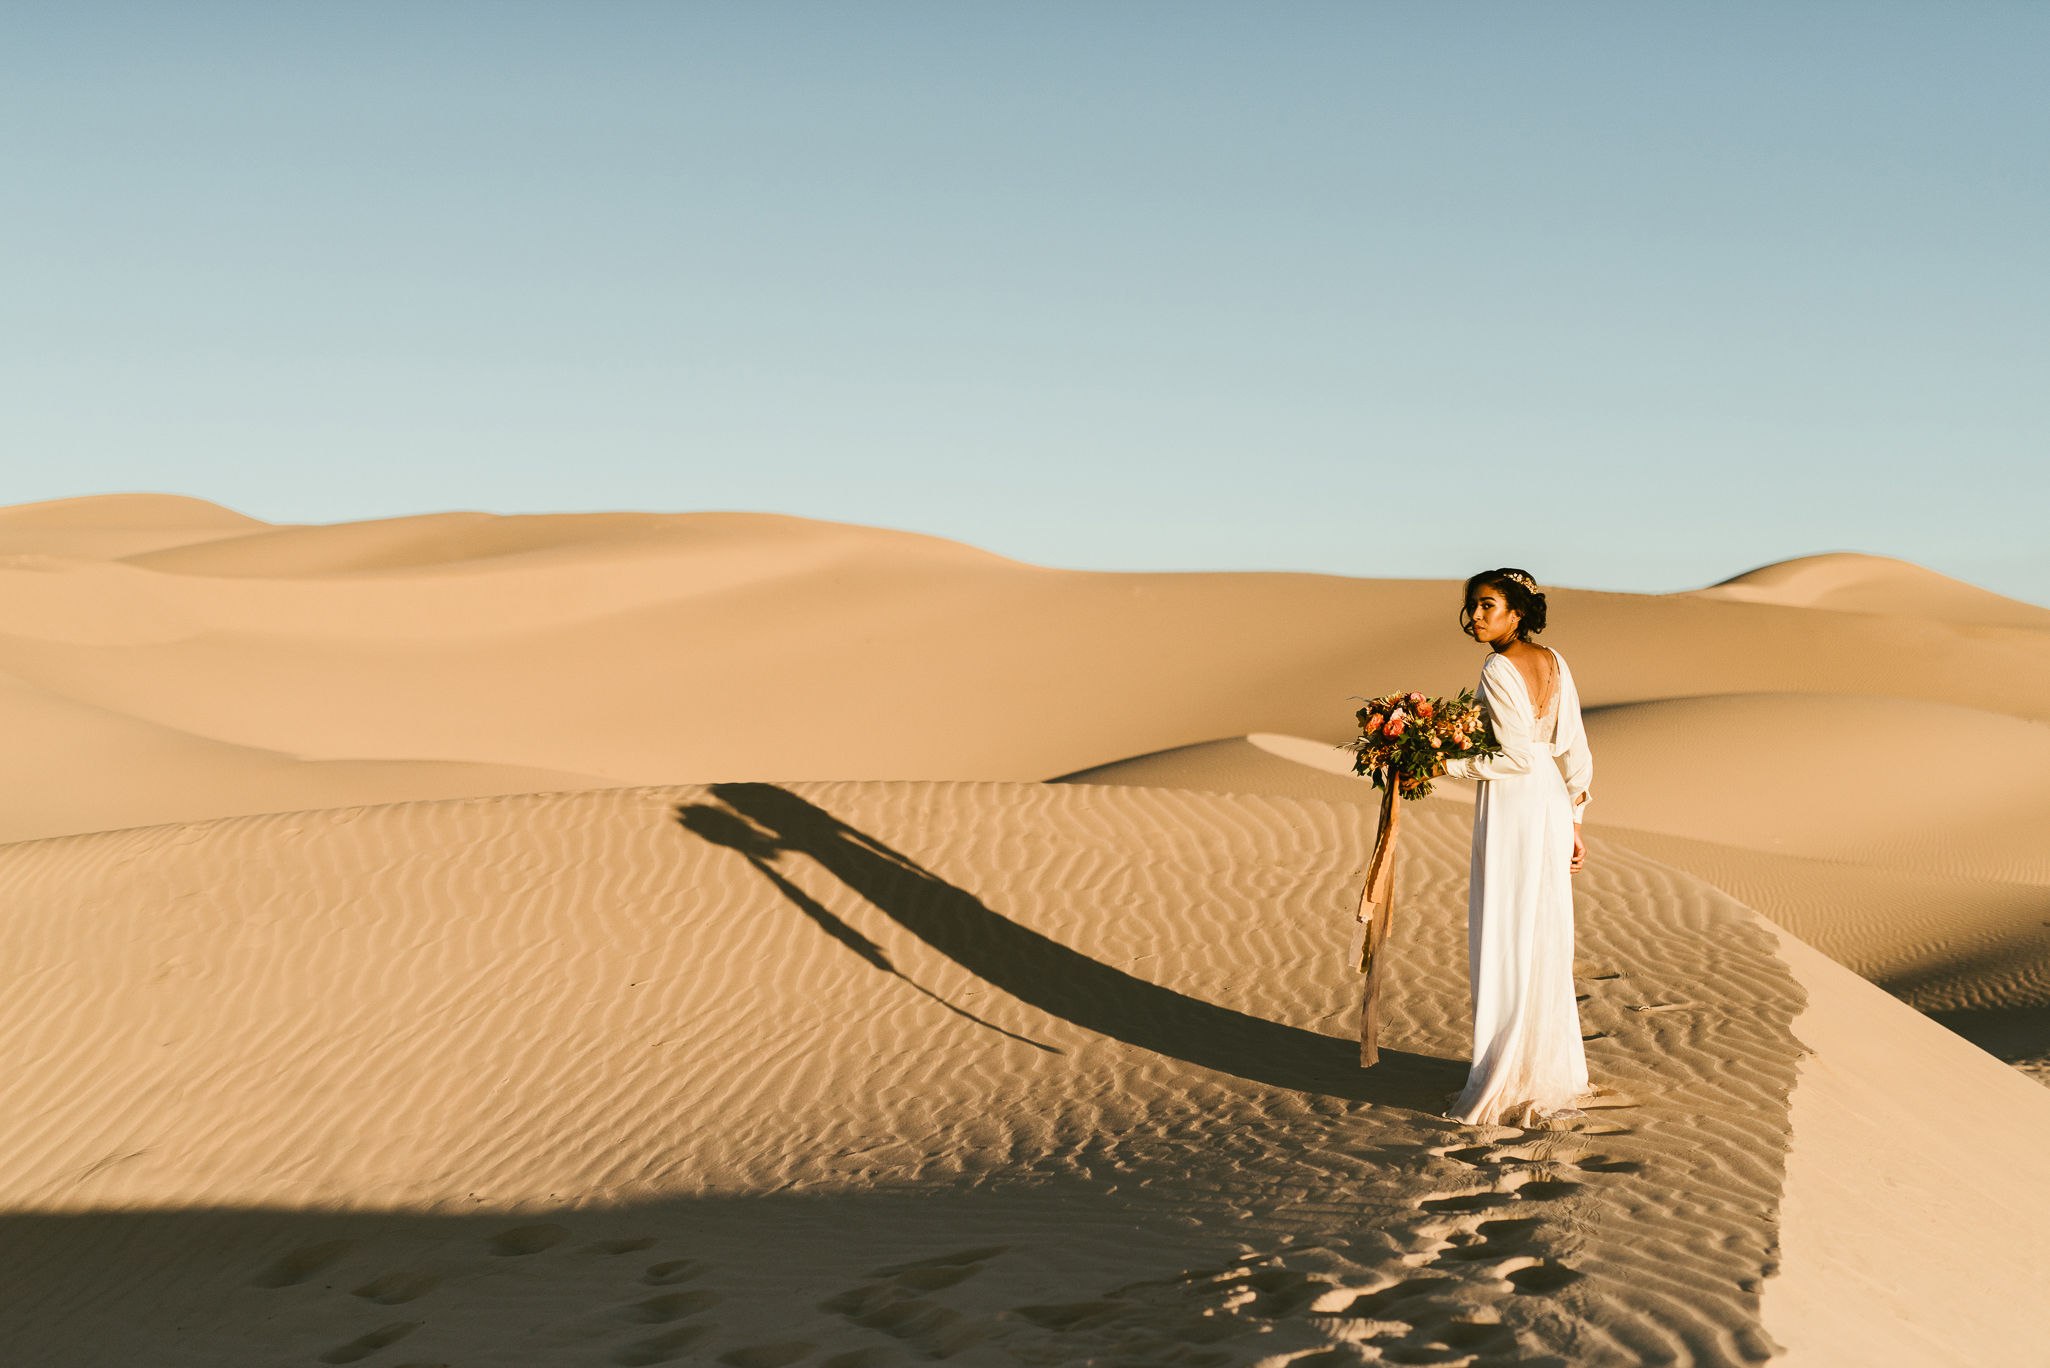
[{"x": 1416, "y": 698}]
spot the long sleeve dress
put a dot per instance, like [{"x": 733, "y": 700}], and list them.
[{"x": 1528, "y": 1063}]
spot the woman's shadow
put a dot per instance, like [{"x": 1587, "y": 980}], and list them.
[{"x": 763, "y": 823}]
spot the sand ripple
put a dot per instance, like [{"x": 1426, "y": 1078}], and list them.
[{"x": 761, "y": 1041}]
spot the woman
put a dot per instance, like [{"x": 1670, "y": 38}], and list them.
[{"x": 1528, "y": 1064}]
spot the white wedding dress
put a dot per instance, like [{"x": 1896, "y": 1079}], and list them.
[{"x": 1528, "y": 1062}]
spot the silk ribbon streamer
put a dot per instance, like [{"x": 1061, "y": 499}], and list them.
[{"x": 1377, "y": 910}]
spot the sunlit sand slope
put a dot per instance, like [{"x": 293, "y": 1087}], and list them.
[
  {"x": 1902, "y": 838},
  {"x": 1920, "y": 787},
  {"x": 108, "y": 526},
  {"x": 667, "y": 648},
  {"x": 1876, "y": 584},
  {"x": 1942, "y": 900},
  {"x": 639, "y": 1071},
  {"x": 1887, "y": 1189},
  {"x": 1239, "y": 764},
  {"x": 69, "y": 766}
]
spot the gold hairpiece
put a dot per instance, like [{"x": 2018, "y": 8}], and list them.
[{"x": 1524, "y": 580}]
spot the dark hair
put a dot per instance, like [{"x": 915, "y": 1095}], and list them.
[{"x": 1516, "y": 593}]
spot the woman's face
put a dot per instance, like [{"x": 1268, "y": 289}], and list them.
[{"x": 1493, "y": 619}]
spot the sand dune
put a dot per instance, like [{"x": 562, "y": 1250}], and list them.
[
  {"x": 1876, "y": 584},
  {"x": 1916, "y": 786},
  {"x": 657, "y": 648},
  {"x": 856, "y": 1074},
  {"x": 1279, "y": 766},
  {"x": 525, "y": 1063},
  {"x": 70, "y": 766},
  {"x": 1942, "y": 942},
  {"x": 109, "y": 526}
]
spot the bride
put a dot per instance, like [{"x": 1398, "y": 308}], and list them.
[{"x": 1528, "y": 1064}]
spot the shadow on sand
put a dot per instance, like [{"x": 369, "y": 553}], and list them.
[{"x": 763, "y": 823}]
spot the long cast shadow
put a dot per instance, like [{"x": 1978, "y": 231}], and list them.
[{"x": 1047, "y": 974}]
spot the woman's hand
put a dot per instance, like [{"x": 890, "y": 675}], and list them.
[{"x": 1579, "y": 851}]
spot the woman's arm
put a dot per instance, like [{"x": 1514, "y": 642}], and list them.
[
  {"x": 1576, "y": 761},
  {"x": 1509, "y": 713}
]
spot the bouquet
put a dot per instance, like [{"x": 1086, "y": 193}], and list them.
[{"x": 1408, "y": 734}]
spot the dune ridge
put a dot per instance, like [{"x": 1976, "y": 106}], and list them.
[{"x": 1849, "y": 582}]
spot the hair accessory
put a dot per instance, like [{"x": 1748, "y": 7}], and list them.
[{"x": 1525, "y": 580}]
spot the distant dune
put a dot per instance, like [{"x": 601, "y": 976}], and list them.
[
  {"x": 645, "y": 648},
  {"x": 636, "y": 938}
]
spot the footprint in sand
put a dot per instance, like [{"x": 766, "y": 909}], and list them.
[
  {"x": 1541, "y": 1279},
  {"x": 1404, "y": 1301},
  {"x": 967, "y": 1258},
  {"x": 396, "y": 1289},
  {"x": 1594, "y": 1127},
  {"x": 1493, "y": 1241},
  {"x": 629, "y": 1246},
  {"x": 1602, "y": 1163},
  {"x": 1494, "y": 1156},
  {"x": 1173, "y": 1321},
  {"x": 1443, "y": 1329},
  {"x": 673, "y": 1272},
  {"x": 1516, "y": 1186},
  {"x": 524, "y": 1240},
  {"x": 675, "y": 1306},
  {"x": 896, "y": 1308},
  {"x": 365, "y": 1345},
  {"x": 302, "y": 1263},
  {"x": 1452, "y": 1202},
  {"x": 1074, "y": 1315}
]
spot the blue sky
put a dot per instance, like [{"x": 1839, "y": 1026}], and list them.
[{"x": 1637, "y": 296}]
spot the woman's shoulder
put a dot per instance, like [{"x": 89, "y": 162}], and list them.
[{"x": 1496, "y": 672}]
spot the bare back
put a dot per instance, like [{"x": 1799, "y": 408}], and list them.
[{"x": 1540, "y": 671}]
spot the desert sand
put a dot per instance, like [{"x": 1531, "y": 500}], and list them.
[{"x": 641, "y": 938}]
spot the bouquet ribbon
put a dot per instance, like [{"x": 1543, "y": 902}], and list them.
[{"x": 1377, "y": 909}]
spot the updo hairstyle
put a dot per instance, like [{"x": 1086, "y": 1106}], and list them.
[{"x": 1518, "y": 590}]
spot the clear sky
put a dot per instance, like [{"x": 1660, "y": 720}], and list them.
[{"x": 1636, "y": 295}]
